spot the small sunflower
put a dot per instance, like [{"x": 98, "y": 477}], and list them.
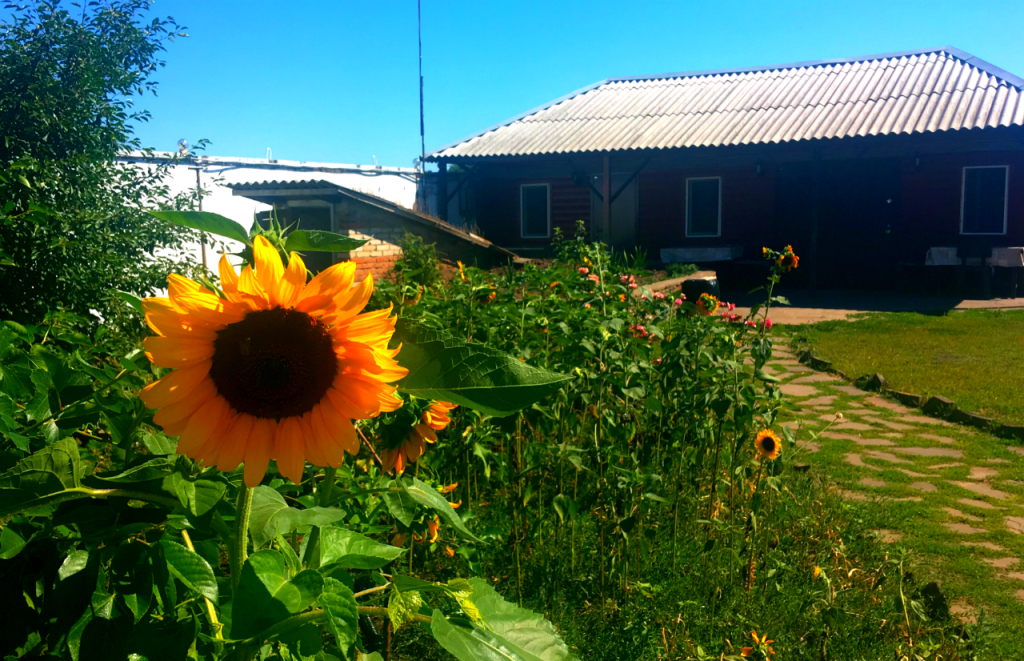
[
  {"x": 788, "y": 259},
  {"x": 276, "y": 369},
  {"x": 768, "y": 444},
  {"x": 707, "y": 304},
  {"x": 434, "y": 419},
  {"x": 761, "y": 644}
]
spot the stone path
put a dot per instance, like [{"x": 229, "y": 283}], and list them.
[{"x": 949, "y": 492}]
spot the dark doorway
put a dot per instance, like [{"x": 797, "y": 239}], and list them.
[{"x": 858, "y": 211}]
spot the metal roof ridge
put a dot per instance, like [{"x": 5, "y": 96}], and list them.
[{"x": 965, "y": 57}]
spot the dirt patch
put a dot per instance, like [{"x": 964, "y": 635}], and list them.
[
  {"x": 986, "y": 545},
  {"x": 855, "y": 459},
  {"x": 885, "y": 456},
  {"x": 952, "y": 464},
  {"x": 797, "y": 390},
  {"x": 871, "y": 482},
  {"x": 980, "y": 504},
  {"x": 930, "y": 452},
  {"x": 980, "y": 473},
  {"x": 855, "y": 495},
  {"x": 910, "y": 473},
  {"x": 853, "y": 426},
  {"x": 962, "y": 610},
  {"x": 923, "y": 486},
  {"x": 963, "y": 528},
  {"x": 1015, "y": 524},
  {"x": 983, "y": 489},
  {"x": 824, "y": 400},
  {"x": 1002, "y": 563},
  {"x": 995, "y": 460},
  {"x": 936, "y": 437},
  {"x": 792, "y": 424},
  {"x": 889, "y": 536},
  {"x": 952, "y": 511},
  {"x": 849, "y": 390}
]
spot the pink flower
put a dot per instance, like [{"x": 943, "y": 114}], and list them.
[
  {"x": 679, "y": 301},
  {"x": 584, "y": 270},
  {"x": 657, "y": 361},
  {"x": 767, "y": 324},
  {"x": 633, "y": 285},
  {"x": 650, "y": 340},
  {"x": 593, "y": 277},
  {"x": 623, "y": 279},
  {"x": 643, "y": 297},
  {"x": 587, "y": 306},
  {"x": 658, "y": 295},
  {"x": 732, "y": 306},
  {"x": 750, "y": 323}
]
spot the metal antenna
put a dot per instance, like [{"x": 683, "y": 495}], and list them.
[{"x": 423, "y": 144}]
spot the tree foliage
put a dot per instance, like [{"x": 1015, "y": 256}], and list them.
[{"x": 72, "y": 226}]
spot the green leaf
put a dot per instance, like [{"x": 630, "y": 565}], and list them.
[
  {"x": 189, "y": 568},
  {"x": 400, "y": 504},
  {"x": 444, "y": 368},
  {"x": 266, "y": 595},
  {"x": 199, "y": 496},
  {"x": 130, "y": 299},
  {"x": 150, "y": 470},
  {"x": 52, "y": 469},
  {"x": 340, "y": 605},
  {"x": 11, "y": 544},
  {"x": 204, "y": 221},
  {"x": 354, "y": 551},
  {"x": 402, "y": 607},
  {"x": 319, "y": 241},
  {"x": 271, "y": 515},
  {"x": 429, "y": 497},
  {"x": 512, "y": 633}
]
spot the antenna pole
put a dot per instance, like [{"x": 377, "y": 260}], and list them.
[{"x": 423, "y": 144}]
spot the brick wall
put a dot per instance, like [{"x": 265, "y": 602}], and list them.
[{"x": 385, "y": 230}]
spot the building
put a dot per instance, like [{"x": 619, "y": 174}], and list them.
[
  {"x": 863, "y": 164},
  {"x": 217, "y": 175}
]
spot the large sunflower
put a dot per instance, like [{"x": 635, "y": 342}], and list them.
[
  {"x": 276, "y": 369},
  {"x": 434, "y": 419}
]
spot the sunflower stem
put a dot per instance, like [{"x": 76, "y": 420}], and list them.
[
  {"x": 243, "y": 509},
  {"x": 311, "y": 559}
]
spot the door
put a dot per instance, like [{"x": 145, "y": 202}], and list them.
[{"x": 621, "y": 235}]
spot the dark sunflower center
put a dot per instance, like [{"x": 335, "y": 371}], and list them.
[
  {"x": 274, "y": 363},
  {"x": 769, "y": 444}
]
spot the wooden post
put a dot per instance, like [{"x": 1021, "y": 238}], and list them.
[
  {"x": 606, "y": 193},
  {"x": 442, "y": 190}
]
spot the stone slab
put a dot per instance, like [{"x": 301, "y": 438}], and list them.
[
  {"x": 798, "y": 390},
  {"x": 963, "y": 528},
  {"x": 980, "y": 504},
  {"x": 937, "y": 438},
  {"x": 930, "y": 452},
  {"x": 923, "y": 486},
  {"x": 982, "y": 489},
  {"x": 849, "y": 390},
  {"x": 952, "y": 511},
  {"x": 885, "y": 456}
]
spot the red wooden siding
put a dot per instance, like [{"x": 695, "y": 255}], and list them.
[
  {"x": 498, "y": 209},
  {"x": 747, "y": 209}
]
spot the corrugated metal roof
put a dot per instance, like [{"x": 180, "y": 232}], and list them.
[
  {"x": 901, "y": 93},
  {"x": 294, "y": 184}
]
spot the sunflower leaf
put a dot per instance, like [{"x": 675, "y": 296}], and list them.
[
  {"x": 354, "y": 551},
  {"x": 204, "y": 221},
  {"x": 444, "y": 368},
  {"x": 427, "y": 496},
  {"x": 511, "y": 633},
  {"x": 320, "y": 241}
]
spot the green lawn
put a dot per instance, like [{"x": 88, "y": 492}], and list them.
[{"x": 974, "y": 357}]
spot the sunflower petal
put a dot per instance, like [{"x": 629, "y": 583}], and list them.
[
  {"x": 209, "y": 453},
  {"x": 186, "y": 406},
  {"x": 289, "y": 287},
  {"x": 348, "y": 304},
  {"x": 289, "y": 449},
  {"x": 332, "y": 281},
  {"x": 176, "y": 351},
  {"x": 175, "y": 386},
  {"x": 165, "y": 319},
  {"x": 339, "y": 428},
  {"x": 228, "y": 277},
  {"x": 269, "y": 269},
  {"x": 232, "y": 452},
  {"x": 251, "y": 288},
  {"x": 203, "y": 424},
  {"x": 258, "y": 450},
  {"x": 334, "y": 452},
  {"x": 309, "y": 441},
  {"x": 426, "y": 433},
  {"x": 179, "y": 284}
]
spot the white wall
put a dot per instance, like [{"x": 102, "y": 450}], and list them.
[{"x": 397, "y": 185}]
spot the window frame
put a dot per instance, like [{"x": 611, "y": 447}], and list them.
[
  {"x": 522, "y": 219},
  {"x": 718, "y": 231},
  {"x": 963, "y": 197}
]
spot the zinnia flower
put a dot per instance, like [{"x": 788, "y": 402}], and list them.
[
  {"x": 277, "y": 369},
  {"x": 788, "y": 260},
  {"x": 762, "y": 642},
  {"x": 768, "y": 444},
  {"x": 462, "y": 271},
  {"x": 413, "y": 447}
]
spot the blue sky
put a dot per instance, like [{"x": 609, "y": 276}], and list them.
[{"x": 337, "y": 80}]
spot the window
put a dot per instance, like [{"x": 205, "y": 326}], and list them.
[
  {"x": 983, "y": 200},
  {"x": 704, "y": 206},
  {"x": 534, "y": 211}
]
